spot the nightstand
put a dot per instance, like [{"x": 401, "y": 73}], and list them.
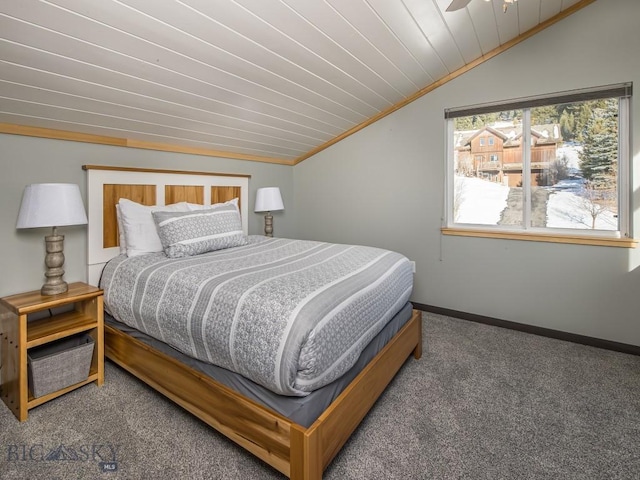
[{"x": 18, "y": 334}]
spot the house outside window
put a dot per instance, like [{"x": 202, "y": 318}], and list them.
[{"x": 555, "y": 164}]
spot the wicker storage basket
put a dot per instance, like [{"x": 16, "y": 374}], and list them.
[{"x": 59, "y": 364}]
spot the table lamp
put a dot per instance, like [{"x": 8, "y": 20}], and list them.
[
  {"x": 268, "y": 199},
  {"x": 52, "y": 205}
]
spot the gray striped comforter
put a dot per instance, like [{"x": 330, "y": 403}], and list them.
[{"x": 291, "y": 315}]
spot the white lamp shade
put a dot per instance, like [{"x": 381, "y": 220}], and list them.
[
  {"x": 51, "y": 205},
  {"x": 268, "y": 199}
]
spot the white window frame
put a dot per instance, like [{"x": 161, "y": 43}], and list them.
[{"x": 527, "y": 232}]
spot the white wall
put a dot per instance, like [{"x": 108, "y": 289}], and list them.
[
  {"x": 26, "y": 160},
  {"x": 385, "y": 185}
]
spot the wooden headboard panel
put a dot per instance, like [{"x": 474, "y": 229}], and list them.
[{"x": 106, "y": 185}]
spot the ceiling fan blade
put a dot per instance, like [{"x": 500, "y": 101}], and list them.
[{"x": 457, "y": 5}]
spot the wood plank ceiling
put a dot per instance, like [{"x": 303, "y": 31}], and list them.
[{"x": 272, "y": 80}]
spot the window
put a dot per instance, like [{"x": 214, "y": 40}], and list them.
[{"x": 559, "y": 165}]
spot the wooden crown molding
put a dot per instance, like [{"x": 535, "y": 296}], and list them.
[{"x": 131, "y": 143}]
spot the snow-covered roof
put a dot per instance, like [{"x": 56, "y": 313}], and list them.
[{"x": 511, "y": 134}]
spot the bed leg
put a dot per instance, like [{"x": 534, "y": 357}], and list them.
[
  {"x": 417, "y": 352},
  {"x": 305, "y": 457}
]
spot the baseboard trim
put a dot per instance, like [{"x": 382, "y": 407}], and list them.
[{"x": 521, "y": 327}]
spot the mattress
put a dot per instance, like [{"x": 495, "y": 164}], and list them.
[
  {"x": 301, "y": 410},
  {"x": 290, "y": 315}
]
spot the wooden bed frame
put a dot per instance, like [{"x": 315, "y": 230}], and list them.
[{"x": 298, "y": 452}]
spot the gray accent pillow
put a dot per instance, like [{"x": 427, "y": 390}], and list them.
[{"x": 191, "y": 233}]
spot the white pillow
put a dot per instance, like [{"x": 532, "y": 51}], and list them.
[
  {"x": 194, "y": 207},
  {"x": 197, "y": 206},
  {"x": 140, "y": 233},
  {"x": 122, "y": 242}
]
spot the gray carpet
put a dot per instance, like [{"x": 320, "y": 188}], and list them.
[{"x": 482, "y": 403}]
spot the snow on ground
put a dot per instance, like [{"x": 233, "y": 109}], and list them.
[
  {"x": 568, "y": 210},
  {"x": 481, "y": 202}
]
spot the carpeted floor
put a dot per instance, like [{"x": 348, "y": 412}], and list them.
[{"x": 482, "y": 403}]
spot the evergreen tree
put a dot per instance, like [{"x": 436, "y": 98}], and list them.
[
  {"x": 583, "y": 115},
  {"x": 599, "y": 156},
  {"x": 544, "y": 115},
  {"x": 567, "y": 125},
  {"x": 463, "y": 123}
]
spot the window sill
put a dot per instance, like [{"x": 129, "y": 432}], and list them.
[{"x": 542, "y": 237}]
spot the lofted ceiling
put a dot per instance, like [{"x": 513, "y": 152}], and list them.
[{"x": 271, "y": 80}]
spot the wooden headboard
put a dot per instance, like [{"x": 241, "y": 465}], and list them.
[{"x": 106, "y": 185}]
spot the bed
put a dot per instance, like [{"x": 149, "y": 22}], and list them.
[{"x": 299, "y": 447}]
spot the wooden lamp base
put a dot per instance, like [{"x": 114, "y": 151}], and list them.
[
  {"x": 268, "y": 224},
  {"x": 54, "y": 260}
]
